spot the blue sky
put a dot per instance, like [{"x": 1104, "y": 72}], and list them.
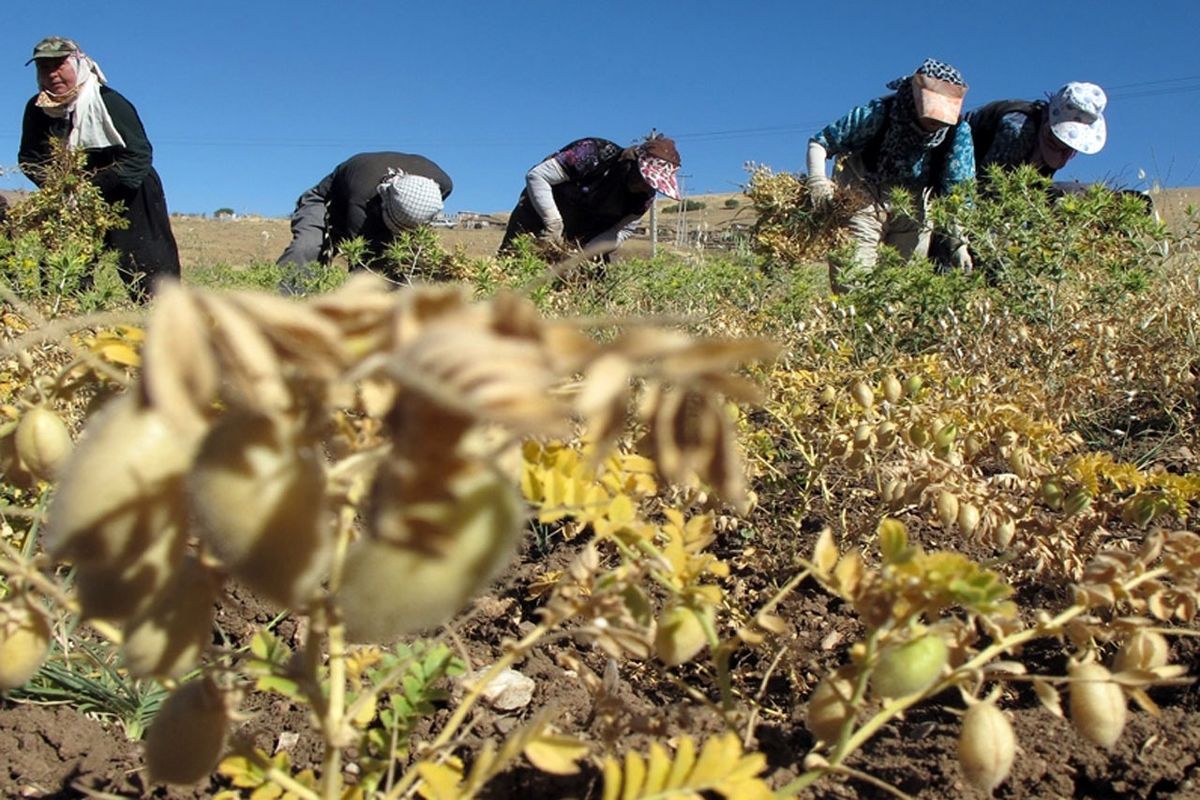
[{"x": 249, "y": 103}]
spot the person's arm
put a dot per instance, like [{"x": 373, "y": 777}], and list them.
[
  {"x": 845, "y": 135},
  {"x": 820, "y": 188},
  {"x": 34, "y": 150},
  {"x": 612, "y": 238},
  {"x": 308, "y": 226},
  {"x": 960, "y": 169},
  {"x": 960, "y": 161},
  {"x": 131, "y": 163},
  {"x": 540, "y": 182}
]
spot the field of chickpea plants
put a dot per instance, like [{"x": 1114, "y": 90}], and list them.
[{"x": 685, "y": 527}]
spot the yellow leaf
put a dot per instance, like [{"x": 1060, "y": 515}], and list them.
[
  {"x": 612, "y": 778},
  {"x": 685, "y": 759},
  {"x": 556, "y": 754},
  {"x": 440, "y": 781},
  {"x": 117, "y": 352},
  {"x": 658, "y": 769},
  {"x": 717, "y": 757},
  {"x": 635, "y": 776},
  {"x": 268, "y": 791},
  {"x": 131, "y": 333},
  {"x": 621, "y": 510}
]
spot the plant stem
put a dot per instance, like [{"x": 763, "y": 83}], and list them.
[
  {"x": 516, "y": 652},
  {"x": 894, "y": 707}
]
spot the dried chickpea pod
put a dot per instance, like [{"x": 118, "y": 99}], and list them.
[
  {"x": 1003, "y": 532},
  {"x": 43, "y": 442},
  {"x": 167, "y": 639},
  {"x": 680, "y": 635},
  {"x": 425, "y": 560},
  {"x": 186, "y": 738},
  {"x": 968, "y": 518},
  {"x": 12, "y": 468},
  {"x": 947, "y": 508},
  {"x": 1097, "y": 704},
  {"x": 120, "y": 486},
  {"x": 829, "y": 705},
  {"x": 892, "y": 390},
  {"x": 1143, "y": 650},
  {"x": 886, "y": 433},
  {"x": 124, "y": 587},
  {"x": 24, "y": 642},
  {"x": 909, "y": 668},
  {"x": 986, "y": 746},
  {"x": 258, "y": 496},
  {"x": 863, "y": 394}
]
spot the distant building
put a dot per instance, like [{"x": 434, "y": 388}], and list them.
[{"x": 472, "y": 220}]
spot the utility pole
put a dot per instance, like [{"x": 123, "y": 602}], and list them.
[
  {"x": 681, "y": 234},
  {"x": 653, "y": 210},
  {"x": 654, "y": 227}
]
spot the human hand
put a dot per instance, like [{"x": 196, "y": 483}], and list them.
[
  {"x": 553, "y": 232},
  {"x": 961, "y": 259},
  {"x": 820, "y": 191}
]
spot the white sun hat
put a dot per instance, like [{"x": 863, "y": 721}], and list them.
[
  {"x": 408, "y": 200},
  {"x": 1077, "y": 116}
]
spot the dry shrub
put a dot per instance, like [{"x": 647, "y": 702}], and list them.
[{"x": 788, "y": 229}]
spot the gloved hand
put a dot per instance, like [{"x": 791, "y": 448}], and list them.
[
  {"x": 820, "y": 188},
  {"x": 961, "y": 258},
  {"x": 820, "y": 191},
  {"x": 553, "y": 232}
]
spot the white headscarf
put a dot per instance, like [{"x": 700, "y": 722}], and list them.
[{"x": 92, "y": 126}]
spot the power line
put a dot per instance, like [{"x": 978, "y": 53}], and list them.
[{"x": 1139, "y": 84}]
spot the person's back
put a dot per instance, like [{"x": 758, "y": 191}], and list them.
[
  {"x": 1042, "y": 134},
  {"x": 353, "y": 199},
  {"x": 1004, "y": 132},
  {"x": 372, "y": 195}
]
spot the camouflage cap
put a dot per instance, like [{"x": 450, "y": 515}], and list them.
[{"x": 53, "y": 47}]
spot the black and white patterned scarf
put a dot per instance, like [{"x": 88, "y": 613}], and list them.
[{"x": 901, "y": 155}]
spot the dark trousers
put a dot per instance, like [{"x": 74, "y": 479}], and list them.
[{"x": 146, "y": 250}]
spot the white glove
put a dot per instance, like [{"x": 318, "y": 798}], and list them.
[
  {"x": 820, "y": 191},
  {"x": 820, "y": 188},
  {"x": 961, "y": 258},
  {"x": 554, "y": 230}
]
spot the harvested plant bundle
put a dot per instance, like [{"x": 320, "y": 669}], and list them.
[{"x": 788, "y": 228}]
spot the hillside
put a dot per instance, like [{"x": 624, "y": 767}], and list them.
[{"x": 207, "y": 241}]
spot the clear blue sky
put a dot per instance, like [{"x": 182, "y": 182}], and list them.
[{"x": 248, "y": 103}]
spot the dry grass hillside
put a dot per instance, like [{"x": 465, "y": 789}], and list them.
[
  {"x": 206, "y": 241},
  {"x": 203, "y": 240},
  {"x": 238, "y": 241}
]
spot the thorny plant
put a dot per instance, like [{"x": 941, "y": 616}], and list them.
[
  {"x": 54, "y": 241},
  {"x": 260, "y": 432}
]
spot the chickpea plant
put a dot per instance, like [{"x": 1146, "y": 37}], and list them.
[
  {"x": 341, "y": 457},
  {"x": 936, "y": 620}
]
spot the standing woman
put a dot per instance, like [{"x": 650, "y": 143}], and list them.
[{"x": 73, "y": 103}]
